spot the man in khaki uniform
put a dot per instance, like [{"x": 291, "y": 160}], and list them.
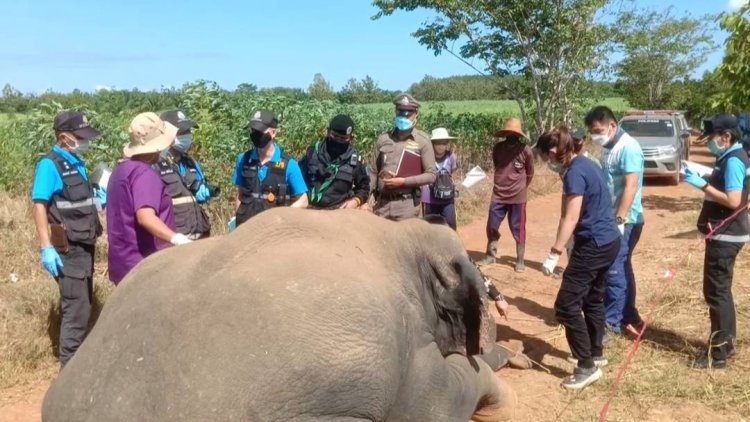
[{"x": 397, "y": 190}]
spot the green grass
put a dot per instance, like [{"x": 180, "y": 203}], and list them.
[{"x": 488, "y": 106}]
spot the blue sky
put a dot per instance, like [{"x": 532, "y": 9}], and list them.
[{"x": 153, "y": 43}]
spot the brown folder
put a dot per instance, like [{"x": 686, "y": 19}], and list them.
[{"x": 410, "y": 164}]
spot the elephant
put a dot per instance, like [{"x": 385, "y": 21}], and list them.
[{"x": 297, "y": 315}]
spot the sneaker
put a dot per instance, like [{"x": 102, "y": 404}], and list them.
[
  {"x": 705, "y": 361},
  {"x": 599, "y": 361},
  {"x": 581, "y": 378}
]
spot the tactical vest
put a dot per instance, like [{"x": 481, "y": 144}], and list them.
[
  {"x": 256, "y": 196},
  {"x": 323, "y": 176},
  {"x": 189, "y": 216},
  {"x": 76, "y": 207},
  {"x": 735, "y": 229}
]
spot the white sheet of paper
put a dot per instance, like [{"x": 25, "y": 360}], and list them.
[
  {"x": 696, "y": 168},
  {"x": 473, "y": 177}
]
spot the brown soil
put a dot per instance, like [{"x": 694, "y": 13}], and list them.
[{"x": 531, "y": 319}]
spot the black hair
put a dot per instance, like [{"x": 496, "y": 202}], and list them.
[{"x": 601, "y": 114}]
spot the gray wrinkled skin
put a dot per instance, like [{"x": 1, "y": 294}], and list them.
[{"x": 297, "y": 315}]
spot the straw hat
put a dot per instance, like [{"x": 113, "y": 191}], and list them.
[
  {"x": 149, "y": 134},
  {"x": 512, "y": 127},
  {"x": 441, "y": 134}
]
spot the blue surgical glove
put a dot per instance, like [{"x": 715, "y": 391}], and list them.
[
  {"x": 101, "y": 194},
  {"x": 694, "y": 179},
  {"x": 51, "y": 260},
  {"x": 202, "y": 194}
]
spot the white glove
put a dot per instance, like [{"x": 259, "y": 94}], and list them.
[
  {"x": 621, "y": 228},
  {"x": 548, "y": 268},
  {"x": 179, "y": 239}
]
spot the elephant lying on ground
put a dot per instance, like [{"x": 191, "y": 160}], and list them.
[{"x": 297, "y": 315}]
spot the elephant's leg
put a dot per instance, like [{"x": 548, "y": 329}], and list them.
[{"x": 496, "y": 400}]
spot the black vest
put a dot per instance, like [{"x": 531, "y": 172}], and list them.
[
  {"x": 331, "y": 182},
  {"x": 256, "y": 196},
  {"x": 76, "y": 206},
  {"x": 189, "y": 216},
  {"x": 732, "y": 229}
]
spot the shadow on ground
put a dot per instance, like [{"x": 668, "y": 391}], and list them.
[
  {"x": 666, "y": 203},
  {"x": 535, "y": 348}
]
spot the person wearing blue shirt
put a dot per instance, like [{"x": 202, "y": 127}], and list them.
[
  {"x": 587, "y": 216},
  {"x": 184, "y": 179},
  {"x": 724, "y": 222},
  {"x": 265, "y": 176},
  {"x": 622, "y": 164},
  {"x": 67, "y": 221}
]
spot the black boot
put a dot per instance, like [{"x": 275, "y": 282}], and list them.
[
  {"x": 491, "y": 254},
  {"x": 520, "y": 250}
]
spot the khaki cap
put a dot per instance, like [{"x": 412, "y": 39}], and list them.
[
  {"x": 149, "y": 134},
  {"x": 406, "y": 102},
  {"x": 512, "y": 127}
]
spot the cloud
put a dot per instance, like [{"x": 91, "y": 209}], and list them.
[
  {"x": 102, "y": 88},
  {"x": 736, "y": 4}
]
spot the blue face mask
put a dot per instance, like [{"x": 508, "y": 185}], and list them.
[
  {"x": 403, "y": 123},
  {"x": 715, "y": 149},
  {"x": 183, "y": 142}
]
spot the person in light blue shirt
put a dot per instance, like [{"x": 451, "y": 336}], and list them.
[
  {"x": 622, "y": 165},
  {"x": 67, "y": 221},
  {"x": 265, "y": 176}
]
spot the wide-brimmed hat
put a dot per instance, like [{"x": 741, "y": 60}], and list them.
[
  {"x": 441, "y": 134},
  {"x": 512, "y": 127},
  {"x": 149, "y": 134}
]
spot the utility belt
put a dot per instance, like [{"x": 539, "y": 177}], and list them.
[
  {"x": 271, "y": 197},
  {"x": 414, "y": 195},
  {"x": 184, "y": 200}
]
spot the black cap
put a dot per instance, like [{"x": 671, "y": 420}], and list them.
[
  {"x": 178, "y": 119},
  {"x": 261, "y": 120},
  {"x": 342, "y": 124},
  {"x": 73, "y": 121},
  {"x": 718, "y": 123}
]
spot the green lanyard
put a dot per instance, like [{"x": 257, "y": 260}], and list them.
[{"x": 316, "y": 193}]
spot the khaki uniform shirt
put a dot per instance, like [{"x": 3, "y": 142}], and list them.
[{"x": 387, "y": 154}]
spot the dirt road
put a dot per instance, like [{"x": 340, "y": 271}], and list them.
[{"x": 665, "y": 242}]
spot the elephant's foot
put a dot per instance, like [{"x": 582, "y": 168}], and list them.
[
  {"x": 497, "y": 407},
  {"x": 516, "y": 358}
]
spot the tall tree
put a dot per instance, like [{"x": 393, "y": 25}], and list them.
[
  {"x": 553, "y": 46},
  {"x": 734, "y": 71},
  {"x": 320, "y": 89},
  {"x": 659, "y": 49}
]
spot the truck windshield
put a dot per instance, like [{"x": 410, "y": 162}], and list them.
[{"x": 658, "y": 128}]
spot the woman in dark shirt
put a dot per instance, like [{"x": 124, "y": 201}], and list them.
[{"x": 587, "y": 215}]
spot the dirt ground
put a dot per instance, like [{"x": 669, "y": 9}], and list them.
[{"x": 667, "y": 243}]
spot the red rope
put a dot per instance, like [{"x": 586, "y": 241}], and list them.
[{"x": 634, "y": 348}]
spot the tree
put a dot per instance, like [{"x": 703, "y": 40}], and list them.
[
  {"x": 734, "y": 71},
  {"x": 553, "y": 46},
  {"x": 248, "y": 88},
  {"x": 365, "y": 91},
  {"x": 320, "y": 89},
  {"x": 659, "y": 49}
]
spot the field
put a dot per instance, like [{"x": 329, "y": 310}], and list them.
[{"x": 505, "y": 107}]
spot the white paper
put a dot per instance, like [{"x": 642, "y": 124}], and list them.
[
  {"x": 473, "y": 177},
  {"x": 696, "y": 168}
]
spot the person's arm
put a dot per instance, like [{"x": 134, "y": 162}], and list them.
[
  {"x": 529, "y": 166},
  {"x": 236, "y": 178},
  {"x": 147, "y": 218},
  {"x": 46, "y": 181},
  {"x": 568, "y": 220},
  {"x": 360, "y": 188},
  {"x": 734, "y": 179},
  {"x": 296, "y": 184},
  {"x": 41, "y": 222},
  {"x": 631, "y": 163},
  {"x": 373, "y": 167}
]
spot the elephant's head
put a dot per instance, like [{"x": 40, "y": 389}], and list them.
[{"x": 451, "y": 287}]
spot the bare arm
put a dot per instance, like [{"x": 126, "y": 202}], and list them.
[
  {"x": 301, "y": 202},
  {"x": 148, "y": 219},
  {"x": 729, "y": 199},
  {"x": 41, "y": 222},
  {"x": 630, "y": 182},
  {"x": 568, "y": 220},
  {"x": 529, "y": 166}
]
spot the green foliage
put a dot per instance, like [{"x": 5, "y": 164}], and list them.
[
  {"x": 659, "y": 49},
  {"x": 365, "y": 91},
  {"x": 320, "y": 89},
  {"x": 734, "y": 71}
]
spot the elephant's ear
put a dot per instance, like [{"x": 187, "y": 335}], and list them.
[{"x": 459, "y": 310}]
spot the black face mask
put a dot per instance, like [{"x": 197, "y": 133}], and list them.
[
  {"x": 260, "y": 139},
  {"x": 336, "y": 147}
]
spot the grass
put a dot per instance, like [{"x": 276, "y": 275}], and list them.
[{"x": 486, "y": 106}]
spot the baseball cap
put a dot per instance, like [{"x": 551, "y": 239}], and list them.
[
  {"x": 718, "y": 123},
  {"x": 73, "y": 121},
  {"x": 178, "y": 119},
  {"x": 342, "y": 124},
  {"x": 149, "y": 134},
  {"x": 405, "y": 102},
  {"x": 263, "y": 119}
]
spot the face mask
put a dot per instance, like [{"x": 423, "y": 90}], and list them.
[
  {"x": 165, "y": 154},
  {"x": 715, "y": 149},
  {"x": 183, "y": 142},
  {"x": 403, "y": 124},
  {"x": 600, "y": 139},
  {"x": 79, "y": 147},
  {"x": 336, "y": 147},
  {"x": 260, "y": 139}
]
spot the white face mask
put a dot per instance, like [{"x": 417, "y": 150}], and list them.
[
  {"x": 79, "y": 147},
  {"x": 602, "y": 138}
]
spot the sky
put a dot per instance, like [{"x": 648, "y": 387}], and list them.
[{"x": 150, "y": 44}]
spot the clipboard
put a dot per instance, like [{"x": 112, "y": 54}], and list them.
[{"x": 410, "y": 164}]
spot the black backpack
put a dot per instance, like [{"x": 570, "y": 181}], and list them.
[{"x": 443, "y": 188}]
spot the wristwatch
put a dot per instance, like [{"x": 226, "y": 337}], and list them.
[{"x": 620, "y": 221}]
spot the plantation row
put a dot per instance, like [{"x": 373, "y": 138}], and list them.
[{"x": 222, "y": 116}]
